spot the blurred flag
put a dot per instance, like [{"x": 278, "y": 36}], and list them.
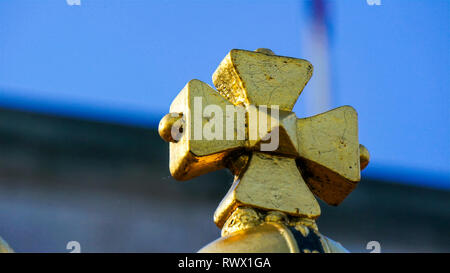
[{"x": 316, "y": 45}]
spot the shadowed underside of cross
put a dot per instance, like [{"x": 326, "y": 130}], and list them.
[{"x": 318, "y": 155}]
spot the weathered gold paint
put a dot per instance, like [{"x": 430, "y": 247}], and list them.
[
  {"x": 189, "y": 157},
  {"x": 319, "y": 155},
  {"x": 329, "y": 153},
  {"x": 270, "y": 182},
  {"x": 246, "y": 77}
]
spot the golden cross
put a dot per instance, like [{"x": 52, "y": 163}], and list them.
[{"x": 318, "y": 155}]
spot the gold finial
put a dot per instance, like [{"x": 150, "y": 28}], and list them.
[
  {"x": 318, "y": 155},
  {"x": 364, "y": 156},
  {"x": 265, "y": 51},
  {"x": 166, "y": 128}
]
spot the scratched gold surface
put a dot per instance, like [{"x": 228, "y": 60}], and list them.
[
  {"x": 270, "y": 182},
  {"x": 329, "y": 153},
  {"x": 246, "y": 77},
  {"x": 190, "y": 157}
]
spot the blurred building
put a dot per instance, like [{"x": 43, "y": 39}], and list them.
[{"x": 108, "y": 187}]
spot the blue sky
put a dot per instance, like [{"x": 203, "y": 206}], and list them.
[{"x": 125, "y": 61}]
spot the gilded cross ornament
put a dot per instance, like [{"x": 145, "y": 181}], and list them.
[{"x": 280, "y": 162}]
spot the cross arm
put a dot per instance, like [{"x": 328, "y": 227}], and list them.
[{"x": 331, "y": 158}]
